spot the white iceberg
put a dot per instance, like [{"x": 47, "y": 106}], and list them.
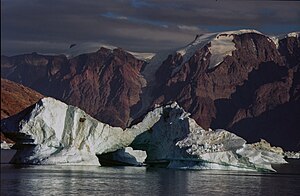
[
  {"x": 123, "y": 157},
  {"x": 177, "y": 141},
  {"x": 55, "y": 133},
  {"x": 52, "y": 132}
]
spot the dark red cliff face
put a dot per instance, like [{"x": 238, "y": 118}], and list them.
[
  {"x": 105, "y": 84},
  {"x": 254, "y": 93},
  {"x": 40, "y": 72},
  {"x": 16, "y": 97},
  {"x": 246, "y": 94},
  {"x": 290, "y": 49},
  {"x": 202, "y": 91}
]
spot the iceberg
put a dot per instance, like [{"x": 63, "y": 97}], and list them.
[
  {"x": 51, "y": 132},
  {"x": 177, "y": 141},
  {"x": 221, "y": 146},
  {"x": 123, "y": 157}
]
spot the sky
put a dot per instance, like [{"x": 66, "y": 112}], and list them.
[{"x": 51, "y": 26}]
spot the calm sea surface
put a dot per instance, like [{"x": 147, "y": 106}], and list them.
[{"x": 93, "y": 180}]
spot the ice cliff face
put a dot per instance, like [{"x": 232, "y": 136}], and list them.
[
  {"x": 56, "y": 133},
  {"x": 221, "y": 146},
  {"x": 180, "y": 142},
  {"x": 51, "y": 132}
]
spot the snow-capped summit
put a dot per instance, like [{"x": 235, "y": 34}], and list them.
[
  {"x": 221, "y": 45},
  {"x": 277, "y": 38},
  {"x": 84, "y": 48}
]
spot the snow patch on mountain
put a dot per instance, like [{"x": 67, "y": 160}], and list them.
[
  {"x": 149, "y": 74},
  {"x": 277, "y": 38},
  {"x": 221, "y": 45},
  {"x": 293, "y": 34},
  {"x": 84, "y": 48},
  {"x": 198, "y": 43},
  {"x": 144, "y": 56}
]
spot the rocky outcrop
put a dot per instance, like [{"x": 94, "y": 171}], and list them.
[
  {"x": 254, "y": 83},
  {"x": 6, "y": 143},
  {"x": 16, "y": 97},
  {"x": 42, "y": 73},
  {"x": 105, "y": 83}
]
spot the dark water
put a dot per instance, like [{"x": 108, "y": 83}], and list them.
[{"x": 93, "y": 180}]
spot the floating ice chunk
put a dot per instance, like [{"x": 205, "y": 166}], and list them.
[
  {"x": 55, "y": 133},
  {"x": 6, "y": 146}
]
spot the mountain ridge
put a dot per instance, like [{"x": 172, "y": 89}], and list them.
[{"x": 252, "y": 77}]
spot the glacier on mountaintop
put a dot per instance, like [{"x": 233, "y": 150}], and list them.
[
  {"x": 277, "y": 38},
  {"x": 90, "y": 47},
  {"x": 221, "y": 45},
  {"x": 52, "y": 132}
]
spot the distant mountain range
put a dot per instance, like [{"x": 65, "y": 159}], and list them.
[{"x": 243, "y": 81}]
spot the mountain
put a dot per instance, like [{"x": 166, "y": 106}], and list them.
[
  {"x": 243, "y": 81},
  {"x": 252, "y": 90},
  {"x": 16, "y": 97},
  {"x": 105, "y": 83}
]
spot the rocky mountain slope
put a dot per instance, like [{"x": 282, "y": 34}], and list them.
[
  {"x": 243, "y": 81},
  {"x": 16, "y": 97},
  {"x": 105, "y": 83},
  {"x": 254, "y": 92}
]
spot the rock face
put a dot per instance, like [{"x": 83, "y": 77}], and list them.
[
  {"x": 16, "y": 97},
  {"x": 105, "y": 83},
  {"x": 242, "y": 81},
  {"x": 51, "y": 132},
  {"x": 253, "y": 92}
]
